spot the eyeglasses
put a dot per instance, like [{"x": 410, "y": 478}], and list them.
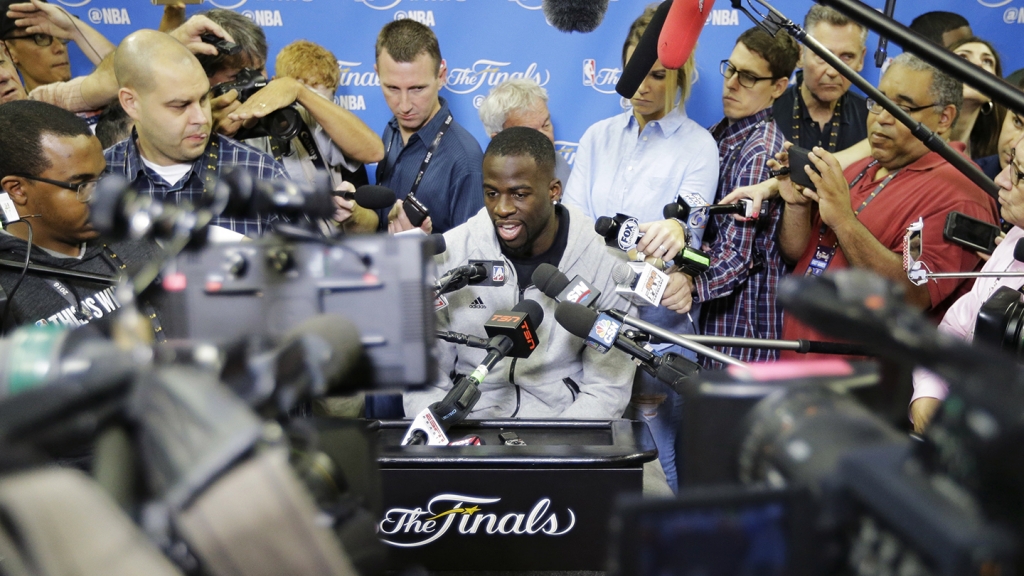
[
  {"x": 746, "y": 79},
  {"x": 876, "y": 108},
  {"x": 42, "y": 40},
  {"x": 83, "y": 190},
  {"x": 1017, "y": 175}
]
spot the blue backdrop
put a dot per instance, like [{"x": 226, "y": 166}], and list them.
[{"x": 487, "y": 41}]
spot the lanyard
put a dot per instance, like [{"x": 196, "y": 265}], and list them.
[
  {"x": 82, "y": 311},
  {"x": 864, "y": 204},
  {"x": 833, "y": 130},
  {"x": 426, "y": 160},
  {"x": 430, "y": 154}
]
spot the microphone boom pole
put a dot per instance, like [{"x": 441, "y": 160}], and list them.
[
  {"x": 674, "y": 338},
  {"x": 775, "y": 21}
]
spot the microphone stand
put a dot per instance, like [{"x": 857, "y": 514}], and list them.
[
  {"x": 798, "y": 346},
  {"x": 985, "y": 83}
]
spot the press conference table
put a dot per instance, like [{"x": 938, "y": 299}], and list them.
[{"x": 542, "y": 506}]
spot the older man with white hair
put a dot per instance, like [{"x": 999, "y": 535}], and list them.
[{"x": 521, "y": 102}]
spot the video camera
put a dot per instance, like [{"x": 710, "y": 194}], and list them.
[
  {"x": 804, "y": 479},
  {"x": 284, "y": 123}
]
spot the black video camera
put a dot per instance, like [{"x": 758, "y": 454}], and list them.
[{"x": 284, "y": 123}]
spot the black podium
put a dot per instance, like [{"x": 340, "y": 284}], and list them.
[{"x": 542, "y": 506}]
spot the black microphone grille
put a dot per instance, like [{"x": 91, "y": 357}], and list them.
[
  {"x": 374, "y": 197},
  {"x": 575, "y": 15},
  {"x": 605, "y": 225},
  {"x": 674, "y": 210},
  {"x": 549, "y": 280},
  {"x": 1018, "y": 251},
  {"x": 533, "y": 309},
  {"x": 577, "y": 319}
]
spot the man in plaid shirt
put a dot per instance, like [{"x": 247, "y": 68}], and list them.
[
  {"x": 172, "y": 153},
  {"x": 738, "y": 290}
]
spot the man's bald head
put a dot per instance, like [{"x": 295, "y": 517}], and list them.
[{"x": 146, "y": 53}]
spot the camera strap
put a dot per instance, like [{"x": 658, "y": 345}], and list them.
[
  {"x": 210, "y": 166},
  {"x": 280, "y": 148}
]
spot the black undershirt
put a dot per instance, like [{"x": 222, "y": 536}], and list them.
[{"x": 553, "y": 255}]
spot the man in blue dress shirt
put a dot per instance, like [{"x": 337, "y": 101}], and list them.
[{"x": 447, "y": 181}]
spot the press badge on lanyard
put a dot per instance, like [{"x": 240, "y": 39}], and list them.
[{"x": 822, "y": 257}]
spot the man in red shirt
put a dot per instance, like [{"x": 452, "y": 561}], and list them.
[{"x": 858, "y": 218}]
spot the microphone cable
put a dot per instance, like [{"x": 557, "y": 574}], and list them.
[{"x": 17, "y": 283}]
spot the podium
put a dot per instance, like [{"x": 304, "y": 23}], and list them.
[{"x": 544, "y": 505}]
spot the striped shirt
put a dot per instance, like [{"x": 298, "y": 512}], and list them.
[
  {"x": 738, "y": 291},
  {"x": 123, "y": 159}
]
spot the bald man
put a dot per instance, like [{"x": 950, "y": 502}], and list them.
[{"x": 171, "y": 151}]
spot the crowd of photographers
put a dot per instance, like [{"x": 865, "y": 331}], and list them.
[{"x": 177, "y": 108}]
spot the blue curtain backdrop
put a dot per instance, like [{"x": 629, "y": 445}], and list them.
[{"x": 487, "y": 41}]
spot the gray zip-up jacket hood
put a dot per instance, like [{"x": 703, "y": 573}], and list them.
[{"x": 562, "y": 378}]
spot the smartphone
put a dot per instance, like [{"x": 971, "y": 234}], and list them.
[
  {"x": 797, "y": 161},
  {"x": 970, "y": 232}
]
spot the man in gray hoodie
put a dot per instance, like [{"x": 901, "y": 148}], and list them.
[{"x": 523, "y": 225}]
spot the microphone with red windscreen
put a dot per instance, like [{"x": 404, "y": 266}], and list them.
[{"x": 683, "y": 25}]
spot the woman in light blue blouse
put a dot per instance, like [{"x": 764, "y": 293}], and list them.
[{"x": 635, "y": 163}]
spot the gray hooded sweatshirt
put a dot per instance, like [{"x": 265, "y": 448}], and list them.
[{"x": 562, "y": 378}]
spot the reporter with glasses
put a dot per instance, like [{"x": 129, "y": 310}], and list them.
[{"x": 50, "y": 163}]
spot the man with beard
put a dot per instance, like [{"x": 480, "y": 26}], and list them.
[{"x": 522, "y": 225}]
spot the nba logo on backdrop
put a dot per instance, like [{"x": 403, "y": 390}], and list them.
[{"x": 603, "y": 80}]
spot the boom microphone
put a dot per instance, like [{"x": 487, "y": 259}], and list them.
[
  {"x": 644, "y": 55},
  {"x": 371, "y": 197},
  {"x": 575, "y": 15},
  {"x": 683, "y": 25}
]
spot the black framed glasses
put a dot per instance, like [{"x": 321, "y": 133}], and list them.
[
  {"x": 876, "y": 108},
  {"x": 746, "y": 79},
  {"x": 1017, "y": 175},
  {"x": 83, "y": 190},
  {"x": 42, "y": 40}
]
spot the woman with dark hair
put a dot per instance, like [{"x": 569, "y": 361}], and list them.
[
  {"x": 980, "y": 118},
  {"x": 1011, "y": 130},
  {"x": 635, "y": 163}
]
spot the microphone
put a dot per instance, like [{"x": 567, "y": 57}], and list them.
[
  {"x": 370, "y": 197},
  {"x": 519, "y": 325},
  {"x": 696, "y": 214},
  {"x": 431, "y": 425},
  {"x": 557, "y": 286},
  {"x": 639, "y": 283},
  {"x": 575, "y": 15},
  {"x": 477, "y": 272},
  {"x": 601, "y": 331},
  {"x": 683, "y": 25},
  {"x": 620, "y": 231},
  {"x": 644, "y": 55}
]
